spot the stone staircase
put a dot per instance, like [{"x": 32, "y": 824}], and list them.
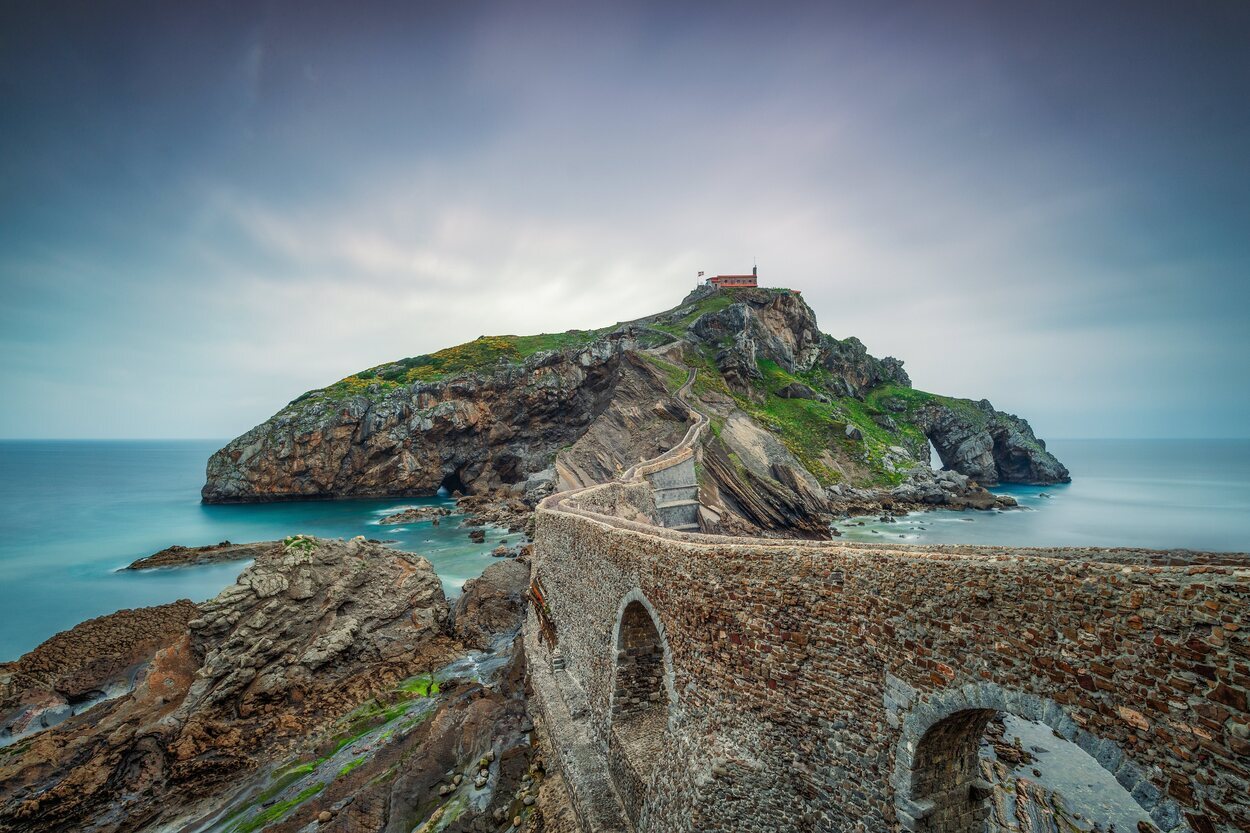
[
  {"x": 676, "y": 496},
  {"x": 583, "y": 762}
]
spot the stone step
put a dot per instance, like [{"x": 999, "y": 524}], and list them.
[{"x": 669, "y": 504}]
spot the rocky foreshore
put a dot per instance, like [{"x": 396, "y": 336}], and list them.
[
  {"x": 415, "y": 514},
  {"x": 500, "y": 510},
  {"x": 180, "y": 556},
  {"x": 84, "y": 663},
  {"x": 923, "y": 490},
  {"x": 321, "y": 652}
]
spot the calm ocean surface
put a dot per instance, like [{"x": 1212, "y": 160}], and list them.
[
  {"x": 1161, "y": 494},
  {"x": 71, "y": 513}
]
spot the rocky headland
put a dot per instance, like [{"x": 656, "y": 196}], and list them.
[
  {"x": 805, "y": 426},
  {"x": 292, "y": 697}
]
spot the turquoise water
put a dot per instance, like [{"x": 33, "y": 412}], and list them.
[
  {"x": 72, "y": 513},
  {"x": 1162, "y": 494}
]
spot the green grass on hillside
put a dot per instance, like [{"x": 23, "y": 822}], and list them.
[
  {"x": 806, "y": 427},
  {"x": 810, "y": 428},
  {"x": 482, "y": 354},
  {"x": 712, "y": 303},
  {"x": 674, "y": 374}
]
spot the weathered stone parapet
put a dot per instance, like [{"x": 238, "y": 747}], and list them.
[{"x": 798, "y": 666}]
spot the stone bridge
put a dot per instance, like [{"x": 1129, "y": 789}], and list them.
[{"x": 705, "y": 683}]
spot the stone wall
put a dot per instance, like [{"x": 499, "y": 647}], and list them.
[{"x": 807, "y": 678}]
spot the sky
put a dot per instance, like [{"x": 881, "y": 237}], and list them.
[{"x": 207, "y": 209}]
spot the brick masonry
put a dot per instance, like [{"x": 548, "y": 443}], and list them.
[{"x": 826, "y": 686}]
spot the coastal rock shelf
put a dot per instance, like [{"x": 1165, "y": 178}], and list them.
[
  {"x": 180, "y": 556},
  {"x": 315, "y": 665}
]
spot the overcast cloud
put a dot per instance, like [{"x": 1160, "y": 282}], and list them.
[{"x": 204, "y": 213}]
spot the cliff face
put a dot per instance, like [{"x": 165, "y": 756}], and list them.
[
  {"x": 806, "y": 411},
  {"x": 471, "y": 432}
]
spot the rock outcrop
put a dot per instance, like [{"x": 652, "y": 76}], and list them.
[
  {"x": 87, "y": 662},
  {"x": 491, "y": 603},
  {"x": 926, "y": 488},
  {"x": 987, "y": 445},
  {"x": 307, "y": 633},
  {"x": 415, "y": 515},
  {"x": 754, "y": 476},
  {"x": 853, "y": 371},
  {"x": 765, "y": 325},
  {"x": 180, "y": 556}
]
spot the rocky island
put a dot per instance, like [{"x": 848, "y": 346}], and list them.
[{"x": 805, "y": 426}]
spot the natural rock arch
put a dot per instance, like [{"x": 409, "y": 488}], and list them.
[
  {"x": 936, "y": 781},
  {"x": 643, "y": 694}
]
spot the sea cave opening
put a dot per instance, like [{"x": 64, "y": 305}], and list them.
[{"x": 453, "y": 483}]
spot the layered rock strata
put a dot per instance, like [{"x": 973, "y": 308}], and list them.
[{"x": 308, "y": 633}]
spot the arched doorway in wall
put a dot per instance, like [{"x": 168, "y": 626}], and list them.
[
  {"x": 1002, "y": 767},
  {"x": 642, "y": 693}
]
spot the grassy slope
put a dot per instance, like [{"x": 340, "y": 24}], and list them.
[
  {"x": 482, "y": 354},
  {"x": 490, "y": 352},
  {"x": 809, "y": 428}
]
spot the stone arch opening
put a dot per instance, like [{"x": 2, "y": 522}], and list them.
[
  {"x": 946, "y": 778},
  {"x": 969, "y": 763},
  {"x": 642, "y": 694}
]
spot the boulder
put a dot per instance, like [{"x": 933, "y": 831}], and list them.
[
  {"x": 491, "y": 603},
  {"x": 798, "y": 390}
]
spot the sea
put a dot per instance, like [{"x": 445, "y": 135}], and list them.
[
  {"x": 1154, "y": 494},
  {"x": 73, "y": 513}
]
